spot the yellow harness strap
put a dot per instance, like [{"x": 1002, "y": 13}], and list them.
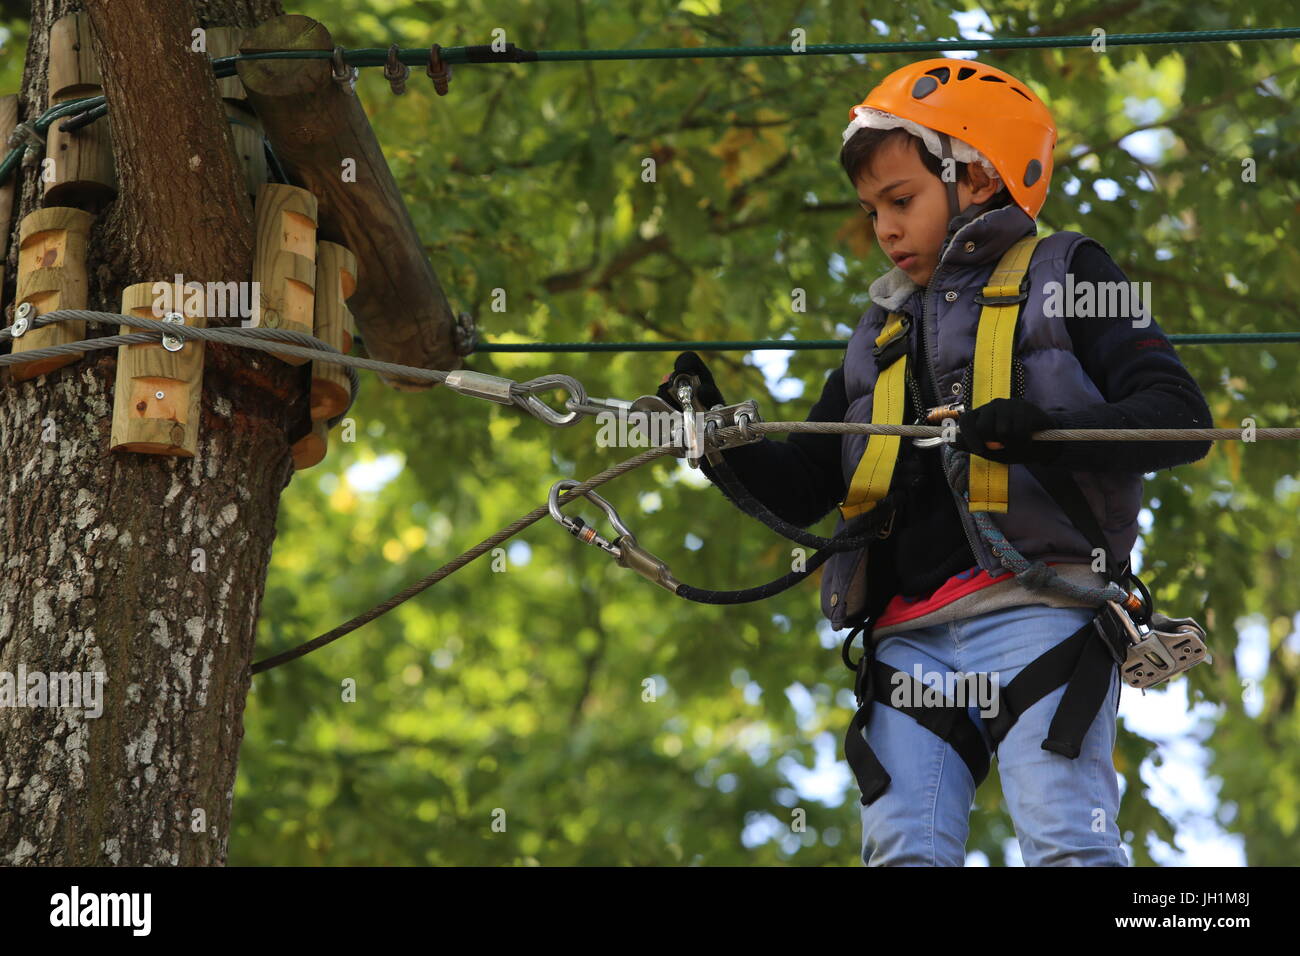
[
  {"x": 876, "y": 466},
  {"x": 994, "y": 344}
]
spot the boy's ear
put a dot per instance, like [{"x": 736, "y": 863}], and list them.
[{"x": 982, "y": 186}]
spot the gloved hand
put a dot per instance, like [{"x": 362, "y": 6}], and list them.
[
  {"x": 705, "y": 396},
  {"x": 1009, "y": 421}
]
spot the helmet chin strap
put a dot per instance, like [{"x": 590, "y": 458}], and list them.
[{"x": 945, "y": 147}]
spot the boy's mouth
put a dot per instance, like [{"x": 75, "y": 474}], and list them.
[{"x": 904, "y": 260}]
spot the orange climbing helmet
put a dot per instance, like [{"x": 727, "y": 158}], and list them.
[{"x": 982, "y": 106}]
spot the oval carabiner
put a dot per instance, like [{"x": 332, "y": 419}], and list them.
[
  {"x": 579, "y": 528},
  {"x": 525, "y": 396}
]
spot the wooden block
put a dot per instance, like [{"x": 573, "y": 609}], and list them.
[
  {"x": 83, "y": 159},
  {"x": 157, "y": 400},
  {"x": 310, "y": 449},
  {"x": 336, "y": 278},
  {"x": 284, "y": 261},
  {"x": 51, "y": 275},
  {"x": 8, "y": 120}
]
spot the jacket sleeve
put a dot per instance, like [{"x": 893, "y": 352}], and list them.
[
  {"x": 800, "y": 479},
  {"x": 1134, "y": 366}
]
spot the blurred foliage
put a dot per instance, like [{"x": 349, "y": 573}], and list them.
[{"x": 519, "y": 694}]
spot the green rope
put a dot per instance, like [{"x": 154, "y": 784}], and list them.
[
  {"x": 371, "y": 56},
  {"x": 760, "y": 345},
  {"x": 419, "y": 56}
]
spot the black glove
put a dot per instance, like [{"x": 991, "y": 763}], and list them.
[
  {"x": 1010, "y": 421},
  {"x": 704, "y": 397}
]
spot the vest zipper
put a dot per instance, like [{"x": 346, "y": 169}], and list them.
[{"x": 962, "y": 514}]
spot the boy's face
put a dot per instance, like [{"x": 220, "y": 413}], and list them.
[{"x": 909, "y": 205}]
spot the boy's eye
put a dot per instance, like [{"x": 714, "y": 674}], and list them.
[{"x": 901, "y": 202}]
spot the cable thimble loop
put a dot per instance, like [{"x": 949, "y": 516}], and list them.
[
  {"x": 344, "y": 76},
  {"x": 525, "y": 396},
  {"x": 395, "y": 71},
  {"x": 438, "y": 70}
]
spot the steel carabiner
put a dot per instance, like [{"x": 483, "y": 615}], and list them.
[{"x": 624, "y": 548}]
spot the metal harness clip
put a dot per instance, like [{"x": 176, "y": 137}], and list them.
[{"x": 627, "y": 553}]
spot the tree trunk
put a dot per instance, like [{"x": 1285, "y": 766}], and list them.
[{"x": 146, "y": 568}]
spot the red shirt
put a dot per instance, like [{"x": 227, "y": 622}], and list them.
[{"x": 902, "y": 609}]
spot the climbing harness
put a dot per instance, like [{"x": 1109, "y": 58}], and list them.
[{"x": 1084, "y": 662}]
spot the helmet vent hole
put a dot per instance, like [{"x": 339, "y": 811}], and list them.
[
  {"x": 1022, "y": 93},
  {"x": 923, "y": 87},
  {"x": 940, "y": 71},
  {"x": 964, "y": 72},
  {"x": 990, "y": 78}
]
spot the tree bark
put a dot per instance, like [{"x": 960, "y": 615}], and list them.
[{"x": 146, "y": 568}]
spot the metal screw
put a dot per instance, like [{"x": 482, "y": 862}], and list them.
[
  {"x": 158, "y": 395},
  {"x": 23, "y": 311}
]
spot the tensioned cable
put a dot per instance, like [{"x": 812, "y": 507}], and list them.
[
  {"x": 781, "y": 345},
  {"x": 274, "y": 341}
]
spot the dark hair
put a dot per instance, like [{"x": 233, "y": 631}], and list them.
[{"x": 860, "y": 152}]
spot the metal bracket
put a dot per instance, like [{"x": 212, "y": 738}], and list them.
[
  {"x": 22, "y": 319},
  {"x": 173, "y": 343},
  {"x": 396, "y": 72}
]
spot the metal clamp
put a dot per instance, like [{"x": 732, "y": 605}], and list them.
[
  {"x": 395, "y": 71},
  {"x": 438, "y": 70},
  {"x": 25, "y": 134},
  {"x": 344, "y": 76},
  {"x": 627, "y": 553},
  {"x": 173, "y": 343}
]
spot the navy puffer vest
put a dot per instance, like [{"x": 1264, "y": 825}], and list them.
[{"x": 1053, "y": 379}]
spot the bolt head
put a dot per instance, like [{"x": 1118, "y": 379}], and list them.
[{"x": 24, "y": 311}]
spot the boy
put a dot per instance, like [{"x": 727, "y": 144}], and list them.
[{"x": 951, "y": 159}]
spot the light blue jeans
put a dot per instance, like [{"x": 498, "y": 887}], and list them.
[{"x": 1064, "y": 810}]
